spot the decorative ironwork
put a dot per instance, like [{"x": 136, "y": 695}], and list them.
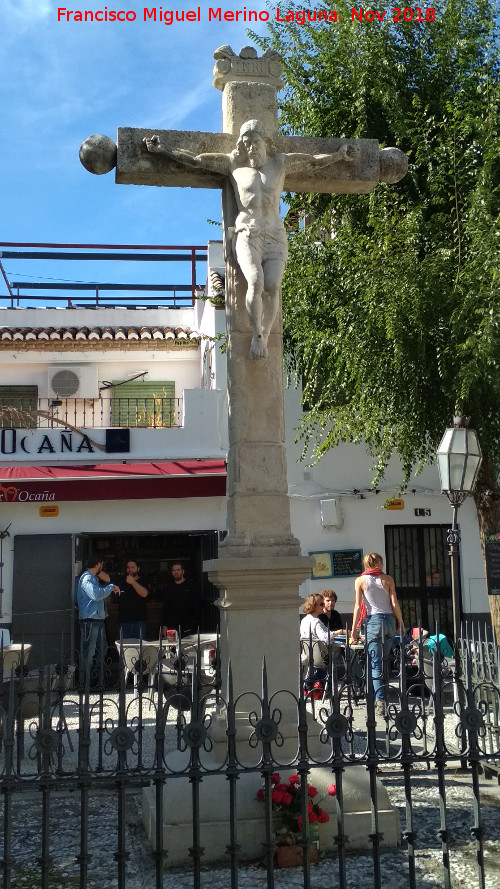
[
  {"x": 337, "y": 726},
  {"x": 119, "y": 738},
  {"x": 122, "y": 738},
  {"x": 406, "y": 722},
  {"x": 46, "y": 740}
]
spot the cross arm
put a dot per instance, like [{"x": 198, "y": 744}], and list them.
[
  {"x": 306, "y": 171},
  {"x": 364, "y": 166},
  {"x": 135, "y": 165}
]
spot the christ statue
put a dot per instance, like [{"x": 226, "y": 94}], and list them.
[{"x": 258, "y": 239}]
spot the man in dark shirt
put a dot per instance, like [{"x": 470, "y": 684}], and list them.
[
  {"x": 132, "y": 613},
  {"x": 330, "y": 617},
  {"x": 179, "y": 604}
]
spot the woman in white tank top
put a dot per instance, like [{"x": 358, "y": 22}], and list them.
[{"x": 377, "y": 592}]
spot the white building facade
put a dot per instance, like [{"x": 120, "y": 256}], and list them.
[{"x": 113, "y": 436}]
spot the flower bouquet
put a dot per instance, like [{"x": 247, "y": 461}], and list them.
[{"x": 286, "y": 804}]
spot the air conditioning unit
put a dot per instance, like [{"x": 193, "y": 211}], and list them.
[{"x": 73, "y": 381}]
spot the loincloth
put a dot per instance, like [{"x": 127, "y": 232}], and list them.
[{"x": 267, "y": 242}]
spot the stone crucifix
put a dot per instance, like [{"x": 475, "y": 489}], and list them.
[
  {"x": 258, "y": 239},
  {"x": 252, "y": 165},
  {"x": 259, "y": 171}
]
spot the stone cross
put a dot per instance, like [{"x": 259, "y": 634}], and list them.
[{"x": 260, "y": 566}]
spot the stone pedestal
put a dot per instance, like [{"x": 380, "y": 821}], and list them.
[
  {"x": 215, "y": 808},
  {"x": 259, "y": 606}
]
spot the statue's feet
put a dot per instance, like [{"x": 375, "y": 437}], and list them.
[{"x": 258, "y": 347}]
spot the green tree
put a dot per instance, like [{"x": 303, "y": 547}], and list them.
[{"x": 391, "y": 300}]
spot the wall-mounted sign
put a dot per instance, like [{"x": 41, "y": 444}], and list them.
[
  {"x": 322, "y": 564},
  {"x": 117, "y": 441},
  {"x": 347, "y": 562},
  {"x": 48, "y": 512},
  {"x": 395, "y": 503},
  {"x": 337, "y": 563},
  {"x": 422, "y": 511},
  {"x": 492, "y": 558},
  {"x": 48, "y": 442}
]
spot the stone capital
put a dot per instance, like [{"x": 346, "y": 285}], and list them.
[
  {"x": 247, "y": 67},
  {"x": 262, "y": 583}
]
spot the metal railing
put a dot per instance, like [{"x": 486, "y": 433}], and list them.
[
  {"x": 180, "y": 295},
  {"x": 94, "y": 734},
  {"x": 153, "y": 412}
]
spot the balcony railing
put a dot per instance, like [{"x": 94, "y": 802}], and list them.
[
  {"x": 65, "y": 287},
  {"x": 87, "y": 413}
]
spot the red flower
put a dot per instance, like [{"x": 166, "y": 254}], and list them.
[
  {"x": 311, "y": 791},
  {"x": 282, "y": 787},
  {"x": 332, "y": 790},
  {"x": 261, "y": 794},
  {"x": 312, "y": 817},
  {"x": 294, "y": 779},
  {"x": 286, "y": 798},
  {"x": 275, "y": 778},
  {"x": 309, "y": 807},
  {"x": 299, "y": 822},
  {"x": 277, "y": 796},
  {"x": 323, "y": 817}
]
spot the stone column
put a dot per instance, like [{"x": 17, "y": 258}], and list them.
[{"x": 260, "y": 567}]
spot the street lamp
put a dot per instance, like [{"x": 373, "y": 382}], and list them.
[{"x": 459, "y": 459}]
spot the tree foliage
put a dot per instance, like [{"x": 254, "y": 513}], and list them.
[{"x": 391, "y": 300}]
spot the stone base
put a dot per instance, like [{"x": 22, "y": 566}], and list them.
[{"x": 215, "y": 822}]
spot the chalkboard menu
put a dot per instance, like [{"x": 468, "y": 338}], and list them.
[
  {"x": 347, "y": 562},
  {"x": 492, "y": 556}
]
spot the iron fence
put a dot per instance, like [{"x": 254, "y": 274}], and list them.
[{"x": 115, "y": 731}]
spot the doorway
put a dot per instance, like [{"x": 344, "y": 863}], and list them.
[
  {"x": 43, "y": 596},
  {"x": 155, "y": 553},
  {"x": 418, "y": 560}
]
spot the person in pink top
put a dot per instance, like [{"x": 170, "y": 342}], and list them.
[{"x": 377, "y": 592}]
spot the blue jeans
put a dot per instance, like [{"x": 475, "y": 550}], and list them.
[
  {"x": 380, "y": 632},
  {"x": 94, "y": 642},
  {"x": 134, "y": 629}
]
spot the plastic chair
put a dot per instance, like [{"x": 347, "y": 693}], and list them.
[
  {"x": 12, "y": 656},
  {"x": 138, "y": 660}
]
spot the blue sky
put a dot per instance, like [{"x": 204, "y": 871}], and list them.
[{"x": 63, "y": 81}]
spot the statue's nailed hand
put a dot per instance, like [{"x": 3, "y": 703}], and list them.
[
  {"x": 153, "y": 145},
  {"x": 346, "y": 153}
]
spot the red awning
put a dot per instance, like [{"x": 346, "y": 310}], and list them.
[{"x": 113, "y": 481}]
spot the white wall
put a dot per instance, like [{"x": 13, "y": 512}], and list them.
[
  {"x": 160, "y": 516},
  {"x": 348, "y": 468}
]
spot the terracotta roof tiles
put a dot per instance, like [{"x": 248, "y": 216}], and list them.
[{"x": 63, "y": 338}]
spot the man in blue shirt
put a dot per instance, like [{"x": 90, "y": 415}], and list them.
[{"x": 90, "y": 596}]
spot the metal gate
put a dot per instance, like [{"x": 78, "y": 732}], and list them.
[{"x": 417, "y": 557}]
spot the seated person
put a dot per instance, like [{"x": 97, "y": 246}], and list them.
[
  {"x": 445, "y": 649},
  {"x": 313, "y": 630},
  {"x": 330, "y": 617}
]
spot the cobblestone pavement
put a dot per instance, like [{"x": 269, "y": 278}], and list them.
[{"x": 102, "y": 842}]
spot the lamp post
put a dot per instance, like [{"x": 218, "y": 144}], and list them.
[{"x": 459, "y": 459}]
